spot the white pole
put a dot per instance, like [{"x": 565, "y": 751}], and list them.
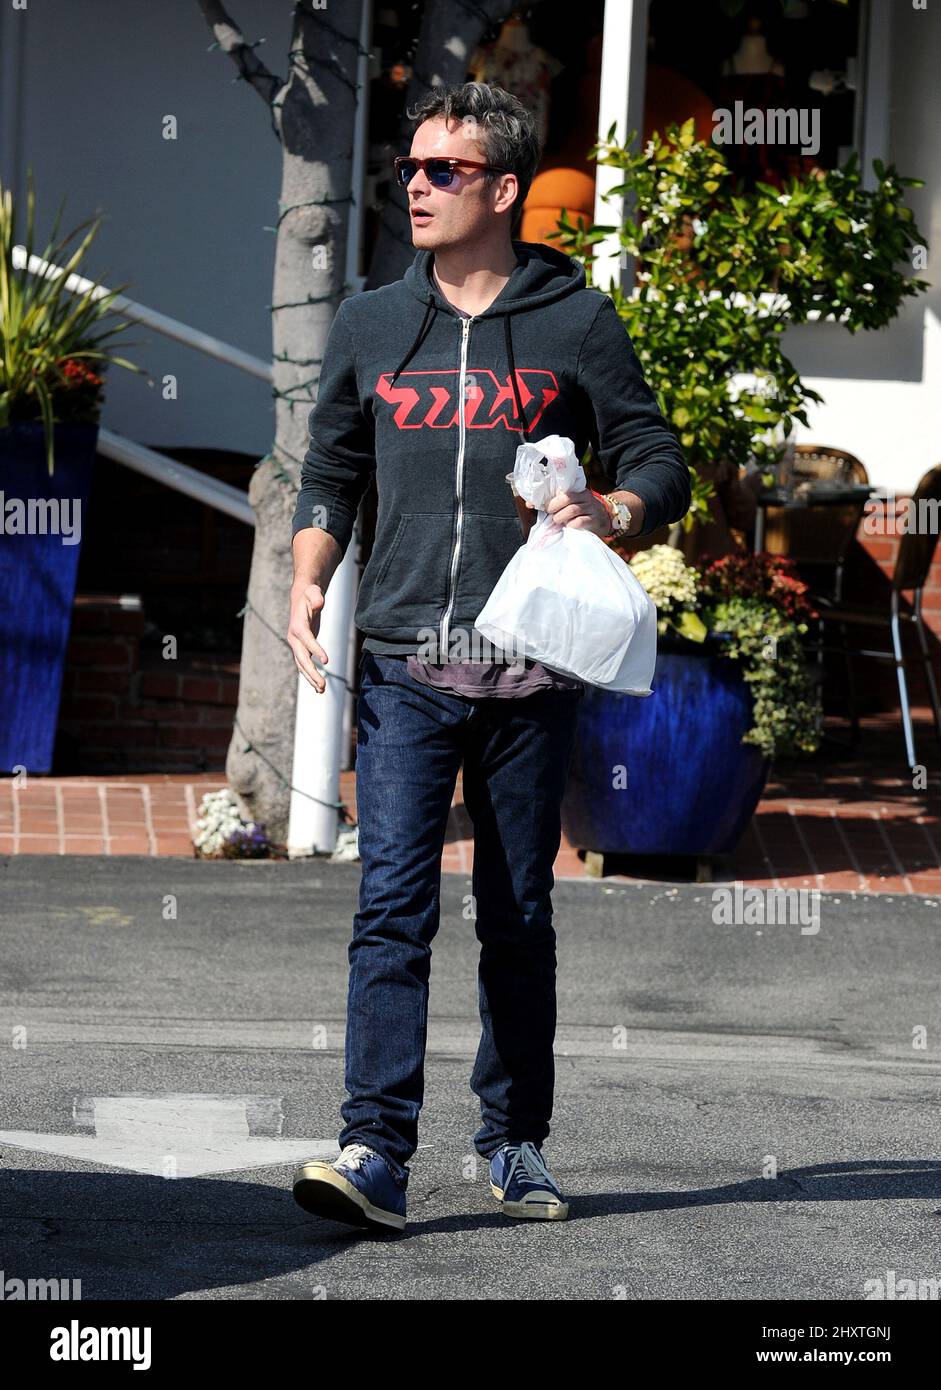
[
  {"x": 318, "y": 725},
  {"x": 623, "y": 56}
]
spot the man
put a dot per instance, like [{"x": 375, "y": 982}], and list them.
[{"x": 432, "y": 382}]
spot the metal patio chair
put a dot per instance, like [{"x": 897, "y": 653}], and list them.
[{"x": 913, "y": 562}]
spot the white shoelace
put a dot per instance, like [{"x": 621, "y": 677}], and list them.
[
  {"x": 534, "y": 1169},
  {"x": 354, "y": 1155}
]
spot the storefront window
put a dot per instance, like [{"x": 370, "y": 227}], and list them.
[{"x": 775, "y": 84}]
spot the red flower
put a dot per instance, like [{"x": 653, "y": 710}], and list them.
[
  {"x": 771, "y": 578},
  {"x": 77, "y": 374}
]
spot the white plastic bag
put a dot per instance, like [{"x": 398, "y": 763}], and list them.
[{"x": 566, "y": 599}]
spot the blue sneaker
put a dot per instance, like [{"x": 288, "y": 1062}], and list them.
[
  {"x": 523, "y": 1185},
  {"x": 358, "y": 1187}
]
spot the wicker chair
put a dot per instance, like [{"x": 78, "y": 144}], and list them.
[
  {"x": 818, "y": 536},
  {"x": 913, "y": 561}
]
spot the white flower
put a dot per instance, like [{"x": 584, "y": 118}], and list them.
[
  {"x": 664, "y": 573},
  {"x": 219, "y": 821}
]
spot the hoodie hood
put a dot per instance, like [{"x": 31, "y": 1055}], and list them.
[{"x": 542, "y": 275}]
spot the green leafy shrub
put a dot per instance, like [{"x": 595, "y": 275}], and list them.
[{"x": 721, "y": 273}]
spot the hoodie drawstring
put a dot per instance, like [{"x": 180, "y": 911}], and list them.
[
  {"x": 432, "y": 309},
  {"x": 521, "y": 431}
]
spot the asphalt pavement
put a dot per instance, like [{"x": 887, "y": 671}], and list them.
[{"x": 745, "y": 1109}]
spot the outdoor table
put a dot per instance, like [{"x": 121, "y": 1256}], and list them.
[{"x": 793, "y": 497}]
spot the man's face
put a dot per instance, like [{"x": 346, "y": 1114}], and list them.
[{"x": 464, "y": 211}]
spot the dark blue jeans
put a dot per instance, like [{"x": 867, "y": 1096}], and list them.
[{"x": 411, "y": 741}]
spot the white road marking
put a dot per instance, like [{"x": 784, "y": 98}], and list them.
[{"x": 173, "y": 1136}]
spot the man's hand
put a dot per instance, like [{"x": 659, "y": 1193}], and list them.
[
  {"x": 583, "y": 510},
  {"x": 587, "y": 512},
  {"x": 306, "y": 605}
]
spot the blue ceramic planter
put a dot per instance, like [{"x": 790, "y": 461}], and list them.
[
  {"x": 37, "y": 583},
  {"x": 690, "y": 785}
]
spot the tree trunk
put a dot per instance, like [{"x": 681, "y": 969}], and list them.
[{"x": 312, "y": 114}]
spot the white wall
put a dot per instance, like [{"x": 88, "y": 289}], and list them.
[
  {"x": 183, "y": 220},
  {"x": 883, "y": 389}
]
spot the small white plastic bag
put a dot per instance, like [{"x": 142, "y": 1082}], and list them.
[{"x": 566, "y": 599}]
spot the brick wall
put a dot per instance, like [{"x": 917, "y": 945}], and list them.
[{"x": 126, "y": 709}]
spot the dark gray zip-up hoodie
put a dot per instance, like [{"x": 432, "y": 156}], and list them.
[{"x": 548, "y": 356}]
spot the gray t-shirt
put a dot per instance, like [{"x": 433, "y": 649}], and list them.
[{"x": 480, "y": 680}]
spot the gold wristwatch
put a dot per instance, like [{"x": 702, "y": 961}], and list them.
[{"x": 620, "y": 515}]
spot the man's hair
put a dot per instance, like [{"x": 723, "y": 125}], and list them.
[{"x": 505, "y": 129}]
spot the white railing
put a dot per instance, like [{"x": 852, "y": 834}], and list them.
[
  {"x": 179, "y": 476},
  {"x": 150, "y": 462},
  {"x": 139, "y": 313}
]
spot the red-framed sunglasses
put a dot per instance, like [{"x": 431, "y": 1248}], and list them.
[{"x": 439, "y": 170}]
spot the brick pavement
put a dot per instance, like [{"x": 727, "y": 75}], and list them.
[{"x": 832, "y": 822}]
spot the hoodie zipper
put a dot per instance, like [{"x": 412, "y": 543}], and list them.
[{"x": 455, "y": 553}]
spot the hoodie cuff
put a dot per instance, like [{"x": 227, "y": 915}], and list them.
[
  {"x": 338, "y": 521},
  {"x": 652, "y": 497}
]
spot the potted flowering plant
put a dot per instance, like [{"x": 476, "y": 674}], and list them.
[
  {"x": 51, "y": 391},
  {"x": 721, "y": 272},
  {"x": 731, "y": 691}
]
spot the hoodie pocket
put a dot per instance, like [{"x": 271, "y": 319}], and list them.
[
  {"x": 489, "y": 544},
  {"x": 393, "y": 547},
  {"x": 410, "y": 576}
]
